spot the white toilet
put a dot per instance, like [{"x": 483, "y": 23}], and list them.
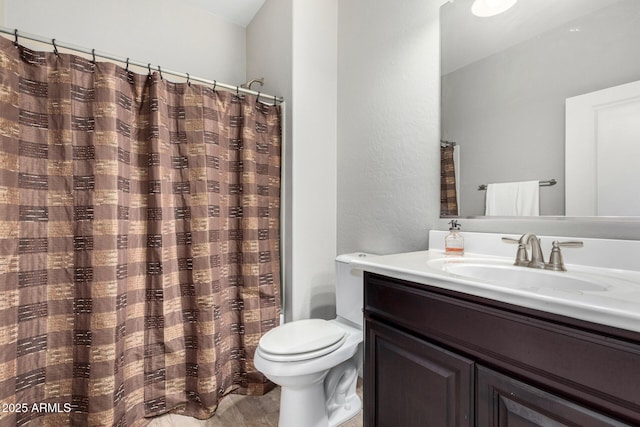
[{"x": 315, "y": 361}]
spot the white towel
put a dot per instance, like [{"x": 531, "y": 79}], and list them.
[{"x": 513, "y": 199}]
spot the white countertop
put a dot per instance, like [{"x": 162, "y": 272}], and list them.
[{"x": 618, "y": 306}]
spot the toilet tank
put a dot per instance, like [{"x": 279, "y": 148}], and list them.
[{"x": 349, "y": 288}]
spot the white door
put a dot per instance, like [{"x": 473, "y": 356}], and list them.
[{"x": 602, "y": 152}]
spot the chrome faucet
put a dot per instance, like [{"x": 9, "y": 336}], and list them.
[{"x": 537, "y": 258}]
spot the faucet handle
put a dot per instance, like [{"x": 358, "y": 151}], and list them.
[
  {"x": 522, "y": 257},
  {"x": 569, "y": 244},
  {"x": 510, "y": 240},
  {"x": 556, "y": 263}
]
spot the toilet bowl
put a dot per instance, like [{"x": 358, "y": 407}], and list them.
[{"x": 315, "y": 361}]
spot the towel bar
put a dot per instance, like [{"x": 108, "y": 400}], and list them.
[{"x": 549, "y": 183}]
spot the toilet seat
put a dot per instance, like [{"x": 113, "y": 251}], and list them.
[{"x": 301, "y": 340}]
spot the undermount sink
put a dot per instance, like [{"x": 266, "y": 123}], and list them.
[
  {"x": 505, "y": 274},
  {"x": 522, "y": 277}
]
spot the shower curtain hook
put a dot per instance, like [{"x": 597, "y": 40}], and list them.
[
  {"x": 215, "y": 83},
  {"x": 149, "y": 67},
  {"x": 15, "y": 33},
  {"x": 275, "y": 100},
  {"x": 188, "y": 78},
  {"x": 237, "y": 92},
  {"x": 127, "y": 67},
  {"x": 93, "y": 53},
  {"x": 55, "y": 48},
  {"x": 160, "y": 72},
  {"x": 258, "y": 98}
]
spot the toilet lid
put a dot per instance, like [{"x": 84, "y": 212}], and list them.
[{"x": 302, "y": 339}]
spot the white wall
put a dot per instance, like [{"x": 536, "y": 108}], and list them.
[
  {"x": 170, "y": 33},
  {"x": 388, "y": 124},
  {"x": 309, "y": 29},
  {"x": 269, "y": 55},
  {"x": 314, "y": 157},
  {"x": 362, "y": 121},
  {"x": 269, "y": 48}
]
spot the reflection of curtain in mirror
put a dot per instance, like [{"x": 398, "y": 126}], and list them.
[{"x": 448, "y": 193}]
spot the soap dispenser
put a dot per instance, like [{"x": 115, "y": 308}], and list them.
[{"x": 454, "y": 242}]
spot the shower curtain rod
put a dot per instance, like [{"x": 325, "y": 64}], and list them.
[{"x": 128, "y": 61}]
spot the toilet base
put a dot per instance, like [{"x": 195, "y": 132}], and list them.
[
  {"x": 304, "y": 406},
  {"x": 353, "y": 407},
  {"x": 341, "y": 400},
  {"x": 326, "y": 400}
]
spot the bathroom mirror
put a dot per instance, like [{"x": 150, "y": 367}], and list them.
[{"x": 504, "y": 84}]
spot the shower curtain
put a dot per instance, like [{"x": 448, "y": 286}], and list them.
[
  {"x": 448, "y": 192},
  {"x": 139, "y": 260}
]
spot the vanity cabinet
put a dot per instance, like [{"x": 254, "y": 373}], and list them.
[
  {"x": 505, "y": 401},
  {"x": 440, "y": 358},
  {"x": 417, "y": 383}
]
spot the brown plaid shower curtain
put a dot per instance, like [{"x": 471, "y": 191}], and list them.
[
  {"x": 448, "y": 195},
  {"x": 139, "y": 226}
]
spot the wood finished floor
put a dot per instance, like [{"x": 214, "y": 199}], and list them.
[{"x": 243, "y": 411}]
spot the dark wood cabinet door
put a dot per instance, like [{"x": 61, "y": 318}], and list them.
[
  {"x": 593, "y": 364},
  {"x": 505, "y": 402},
  {"x": 409, "y": 382}
]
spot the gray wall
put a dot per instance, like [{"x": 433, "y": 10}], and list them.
[
  {"x": 294, "y": 46},
  {"x": 269, "y": 55},
  {"x": 507, "y": 110},
  {"x": 388, "y": 124},
  {"x": 178, "y": 36}
]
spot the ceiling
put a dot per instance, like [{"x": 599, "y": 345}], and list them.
[
  {"x": 468, "y": 38},
  {"x": 240, "y": 12}
]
